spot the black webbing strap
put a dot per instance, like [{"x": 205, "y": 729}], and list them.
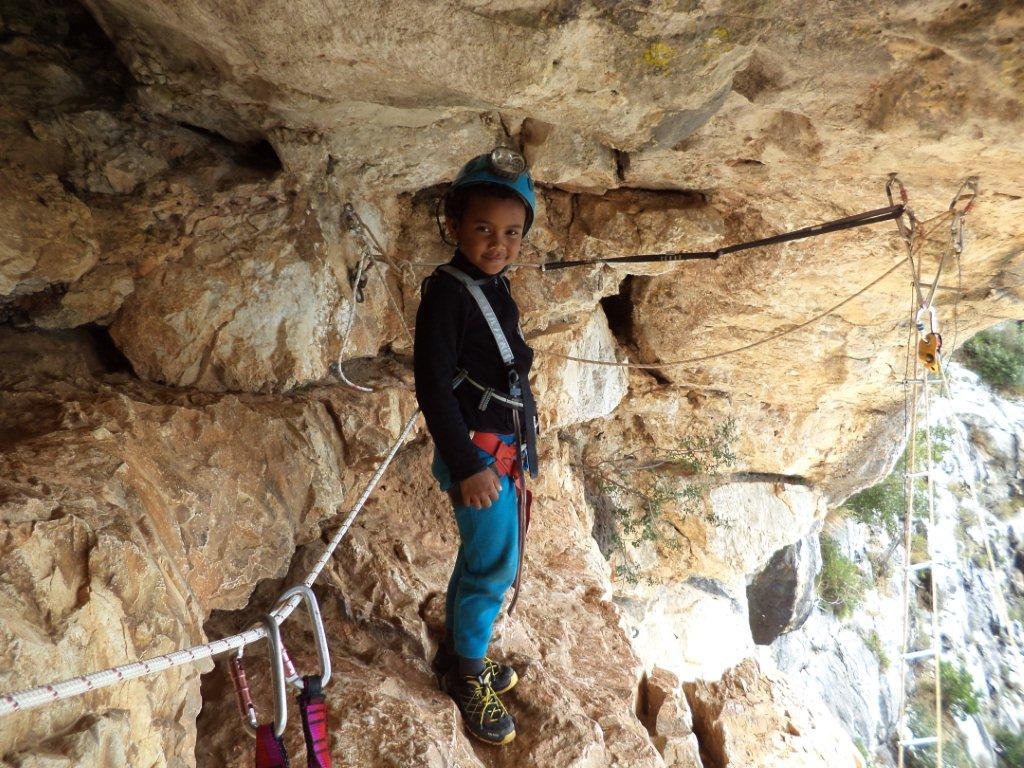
[{"x": 848, "y": 222}]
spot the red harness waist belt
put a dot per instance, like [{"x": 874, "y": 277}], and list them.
[{"x": 506, "y": 463}]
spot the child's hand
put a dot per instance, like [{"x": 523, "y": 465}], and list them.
[{"x": 480, "y": 490}]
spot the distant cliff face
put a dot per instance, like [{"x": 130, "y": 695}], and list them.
[
  {"x": 853, "y": 664},
  {"x": 176, "y": 280}
]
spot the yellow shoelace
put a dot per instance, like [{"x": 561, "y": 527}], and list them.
[{"x": 489, "y": 703}]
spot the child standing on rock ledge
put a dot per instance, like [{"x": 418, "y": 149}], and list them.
[{"x": 472, "y": 370}]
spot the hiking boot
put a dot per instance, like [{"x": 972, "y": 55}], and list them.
[
  {"x": 503, "y": 677},
  {"x": 482, "y": 711}
]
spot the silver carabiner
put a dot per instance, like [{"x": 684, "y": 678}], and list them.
[
  {"x": 968, "y": 191},
  {"x": 277, "y": 667},
  {"x": 932, "y": 320},
  {"x": 323, "y": 654},
  {"x": 906, "y": 228}
]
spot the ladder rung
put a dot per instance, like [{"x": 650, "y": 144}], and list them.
[
  {"x": 921, "y": 741},
  {"x": 919, "y": 474},
  {"x": 922, "y": 566},
  {"x": 927, "y": 653},
  {"x": 921, "y": 381}
]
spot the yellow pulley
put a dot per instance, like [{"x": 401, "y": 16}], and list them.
[{"x": 928, "y": 351}]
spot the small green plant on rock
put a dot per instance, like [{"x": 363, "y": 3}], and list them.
[
  {"x": 922, "y": 723},
  {"x": 958, "y": 696},
  {"x": 840, "y": 584},
  {"x": 874, "y": 644},
  {"x": 642, "y": 496},
  {"x": 997, "y": 356},
  {"x": 865, "y": 755},
  {"x": 884, "y": 504}
]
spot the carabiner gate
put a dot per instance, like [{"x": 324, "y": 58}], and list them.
[
  {"x": 246, "y": 708},
  {"x": 277, "y": 667},
  {"x": 968, "y": 191},
  {"x": 323, "y": 654}
]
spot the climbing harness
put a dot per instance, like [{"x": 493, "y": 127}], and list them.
[
  {"x": 489, "y": 393},
  {"x": 525, "y": 428},
  {"x": 507, "y": 462},
  {"x": 894, "y": 211},
  {"x": 527, "y": 436}
]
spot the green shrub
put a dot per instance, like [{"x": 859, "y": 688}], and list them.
[
  {"x": 884, "y": 505},
  {"x": 865, "y": 755},
  {"x": 635, "y": 497},
  {"x": 958, "y": 696},
  {"x": 922, "y": 723},
  {"x": 997, "y": 355},
  {"x": 840, "y": 584},
  {"x": 1009, "y": 748},
  {"x": 880, "y": 505}
]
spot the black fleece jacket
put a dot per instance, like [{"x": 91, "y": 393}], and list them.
[{"x": 451, "y": 334}]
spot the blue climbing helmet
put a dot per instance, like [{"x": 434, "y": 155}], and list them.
[{"x": 501, "y": 167}]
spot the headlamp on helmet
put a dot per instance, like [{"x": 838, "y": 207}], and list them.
[{"x": 501, "y": 167}]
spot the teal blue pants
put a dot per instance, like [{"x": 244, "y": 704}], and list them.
[{"x": 485, "y": 566}]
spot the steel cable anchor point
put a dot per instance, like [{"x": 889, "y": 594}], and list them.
[
  {"x": 906, "y": 228},
  {"x": 319, "y": 635},
  {"x": 965, "y": 196}
]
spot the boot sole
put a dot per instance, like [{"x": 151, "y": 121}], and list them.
[{"x": 507, "y": 740}]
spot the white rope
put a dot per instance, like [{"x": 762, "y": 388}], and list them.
[
  {"x": 350, "y": 321},
  {"x": 44, "y": 694}
]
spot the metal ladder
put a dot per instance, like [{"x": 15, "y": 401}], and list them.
[{"x": 921, "y": 383}]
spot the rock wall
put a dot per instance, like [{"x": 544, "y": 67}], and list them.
[{"x": 176, "y": 277}]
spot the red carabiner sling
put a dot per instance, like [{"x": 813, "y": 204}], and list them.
[{"x": 506, "y": 463}]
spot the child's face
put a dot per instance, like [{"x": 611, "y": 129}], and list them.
[{"x": 490, "y": 232}]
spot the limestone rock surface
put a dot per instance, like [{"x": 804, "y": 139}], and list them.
[
  {"x": 751, "y": 718},
  {"x": 129, "y": 514},
  {"x": 177, "y": 171},
  {"x": 383, "y": 597},
  {"x": 781, "y": 595},
  {"x": 666, "y": 714}
]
